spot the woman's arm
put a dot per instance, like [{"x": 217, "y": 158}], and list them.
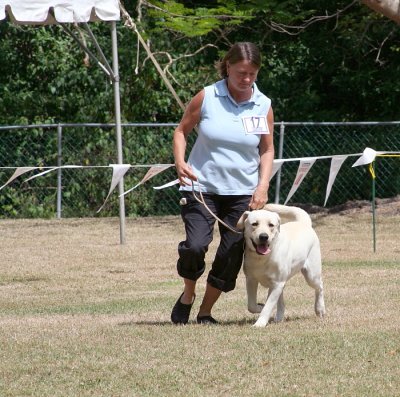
[
  {"x": 266, "y": 149},
  {"x": 190, "y": 119}
]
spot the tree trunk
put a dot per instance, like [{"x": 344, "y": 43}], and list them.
[{"x": 389, "y": 8}]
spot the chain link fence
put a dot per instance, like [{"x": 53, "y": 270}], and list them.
[{"x": 79, "y": 192}]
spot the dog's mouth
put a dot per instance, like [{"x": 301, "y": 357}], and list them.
[{"x": 262, "y": 248}]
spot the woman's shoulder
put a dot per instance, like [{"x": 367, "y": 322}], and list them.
[
  {"x": 197, "y": 101},
  {"x": 216, "y": 89},
  {"x": 259, "y": 94}
]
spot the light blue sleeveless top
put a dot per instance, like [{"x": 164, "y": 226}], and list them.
[{"x": 225, "y": 158}]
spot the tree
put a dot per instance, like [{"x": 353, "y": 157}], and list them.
[
  {"x": 323, "y": 60},
  {"x": 389, "y": 8}
]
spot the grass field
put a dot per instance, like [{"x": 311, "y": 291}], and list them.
[{"x": 81, "y": 315}]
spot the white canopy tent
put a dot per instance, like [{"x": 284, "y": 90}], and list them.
[{"x": 62, "y": 12}]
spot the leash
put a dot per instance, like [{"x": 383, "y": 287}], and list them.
[{"x": 202, "y": 201}]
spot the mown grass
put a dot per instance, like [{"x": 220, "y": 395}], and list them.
[{"x": 81, "y": 315}]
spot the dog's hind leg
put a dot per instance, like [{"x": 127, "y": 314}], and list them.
[
  {"x": 319, "y": 306},
  {"x": 313, "y": 276}
]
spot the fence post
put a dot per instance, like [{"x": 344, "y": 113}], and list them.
[
  {"x": 280, "y": 155},
  {"x": 59, "y": 171}
]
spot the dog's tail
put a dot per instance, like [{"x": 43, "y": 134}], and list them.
[{"x": 290, "y": 214}]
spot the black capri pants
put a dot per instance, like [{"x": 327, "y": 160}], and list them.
[{"x": 199, "y": 226}]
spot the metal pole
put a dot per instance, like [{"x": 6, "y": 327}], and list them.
[
  {"x": 280, "y": 155},
  {"x": 373, "y": 203},
  {"x": 117, "y": 106},
  {"x": 59, "y": 172}
]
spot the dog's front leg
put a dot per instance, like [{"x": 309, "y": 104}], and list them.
[
  {"x": 273, "y": 296},
  {"x": 252, "y": 287},
  {"x": 280, "y": 310}
]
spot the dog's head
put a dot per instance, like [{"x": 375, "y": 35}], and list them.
[{"x": 260, "y": 228}]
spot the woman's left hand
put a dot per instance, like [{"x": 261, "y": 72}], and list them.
[{"x": 259, "y": 199}]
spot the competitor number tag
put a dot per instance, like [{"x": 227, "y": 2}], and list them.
[{"x": 255, "y": 125}]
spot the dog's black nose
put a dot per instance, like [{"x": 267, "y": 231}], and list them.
[{"x": 263, "y": 237}]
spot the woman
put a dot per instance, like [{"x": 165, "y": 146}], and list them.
[{"x": 231, "y": 163}]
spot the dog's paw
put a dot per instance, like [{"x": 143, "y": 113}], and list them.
[
  {"x": 320, "y": 310},
  {"x": 255, "y": 309},
  {"x": 260, "y": 323}
]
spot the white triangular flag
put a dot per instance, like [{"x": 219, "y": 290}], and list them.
[
  {"x": 119, "y": 170},
  {"x": 153, "y": 171},
  {"x": 52, "y": 169},
  {"x": 40, "y": 174},
  {"x": 367, "y": 157},
  {"x": 336, "y": 163},
  {"x": 277, "y": 164},
  {"x": 19, "y": 171},
  {"x": 304, "y": 166}
]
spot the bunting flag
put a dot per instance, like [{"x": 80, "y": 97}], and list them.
[
  {"x": 169, "y": 184},
  {"x": 18, "y": 172},
  {"x": 336, "y": 163},
  {"x": 40, "y": 174},
  {"x": 50, "y": 170},
  {"x": 119, "y": 170},
  {"x": 367, "y": 157},
  {"x": 276, "y": 167},
  {"x": 153, "y": 171},
  {"x": 304, "y": 166}
]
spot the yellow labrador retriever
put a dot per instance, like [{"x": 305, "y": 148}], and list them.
[{"x": 275, "y": 251}]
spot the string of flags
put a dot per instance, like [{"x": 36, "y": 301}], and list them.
[{"x": 305, "y": 164}]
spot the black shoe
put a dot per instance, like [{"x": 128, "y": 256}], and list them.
[
  {"x": 180, "y": 312},
  {"x": 206, "y": 320}
]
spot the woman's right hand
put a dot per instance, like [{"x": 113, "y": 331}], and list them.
[{"x": 185, "y": 173}]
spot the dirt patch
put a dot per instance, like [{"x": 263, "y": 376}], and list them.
[{"x": 385, "y": 206}]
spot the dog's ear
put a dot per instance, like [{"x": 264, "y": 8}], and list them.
[
  {"x": 278, "y": 226},
  {"x": 242, "y": 219}
]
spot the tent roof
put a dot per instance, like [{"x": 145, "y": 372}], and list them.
[{"x": 43, "y": 12}]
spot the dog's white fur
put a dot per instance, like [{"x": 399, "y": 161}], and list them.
[{"x": 276, "y": 251}]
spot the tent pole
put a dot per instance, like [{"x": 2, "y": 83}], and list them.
[{"x": 117, "y": 106}]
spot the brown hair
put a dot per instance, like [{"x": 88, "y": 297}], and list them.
[{"x": 244, "y": 51}]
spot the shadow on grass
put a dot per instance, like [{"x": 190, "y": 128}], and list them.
[
  {"x": 163, "y": 323},
  {"x": 238, "y": 322}
]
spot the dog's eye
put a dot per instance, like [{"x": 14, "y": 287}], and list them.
[
  {"x": 254, "y": 224},
  {"x": 271, "y": 225}
]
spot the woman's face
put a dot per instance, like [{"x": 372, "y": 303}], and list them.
[{"x": 241, "y": 75}]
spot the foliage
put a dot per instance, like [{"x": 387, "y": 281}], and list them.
[
  {"x": 196, "y": 18},
  {"x": 313, "y": 73},
  {"x": 319, "y": 65},
  {"x": 44, "y": 78}
]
